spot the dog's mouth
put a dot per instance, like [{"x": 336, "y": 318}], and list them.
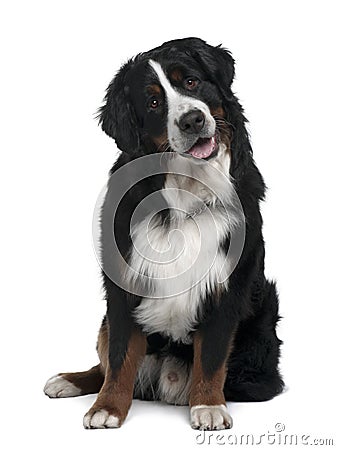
[{"x": 204, "y": 148}]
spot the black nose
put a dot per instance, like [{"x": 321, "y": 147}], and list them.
[{"x": 192, "y": 122}]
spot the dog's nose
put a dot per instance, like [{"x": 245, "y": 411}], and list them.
[{"x": 192, "y": 122}]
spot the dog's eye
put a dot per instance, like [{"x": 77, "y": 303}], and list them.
[
  {"x": 154, "y": 103},
  {"x": 191, "y": 83}
]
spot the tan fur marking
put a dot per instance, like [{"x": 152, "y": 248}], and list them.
[
  {"x": 206, "y": 390},
  {"x": 116, "y": 394},
  {"x": 223, "y": 127},
  {"x": 103, "y": 346},
  {"x": 160, "y": 141},
  {"x": 90, "y": 381},
  {"x": 219, "y": 111},
  {"x": 154, "y": 89},
  {"x": 176, "y": 75}
]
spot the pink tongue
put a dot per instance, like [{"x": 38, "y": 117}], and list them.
[{"x": 203, "y": 148}]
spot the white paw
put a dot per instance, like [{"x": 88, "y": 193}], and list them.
[
  {"x": 215, "y": 417},
  {"x": 60, "y": 387},
  {"x": 100, "y": 419}
]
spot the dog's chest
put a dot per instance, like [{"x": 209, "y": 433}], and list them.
[
  {"x": 181, "y": 263},
  {"x": 178, "y": 262}
]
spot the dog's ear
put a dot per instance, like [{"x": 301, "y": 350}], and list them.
[
  {"x": 117, "y": 116},
  {"x": 217, "y": 62},
  {"x": 224, "y": 69}
]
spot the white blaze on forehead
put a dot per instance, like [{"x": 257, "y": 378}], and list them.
[
  {"x": 179, "y": 104},
  {"x": 168, "y": 88}
]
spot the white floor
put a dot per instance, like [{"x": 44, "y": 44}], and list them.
[{"x": 57, "y": 424}]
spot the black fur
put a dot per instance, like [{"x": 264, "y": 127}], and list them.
[{"x": 250, "y": 305}]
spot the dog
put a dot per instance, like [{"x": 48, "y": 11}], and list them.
[{"x": 191, "y": 318}]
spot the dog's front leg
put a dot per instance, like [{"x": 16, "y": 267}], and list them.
[
  {"x": 114, "y": 399},
  {"x": 212, "y": 345},
  {"x": 120, "y": 356}
]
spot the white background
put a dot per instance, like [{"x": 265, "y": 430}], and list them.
[{"x": 57, "y": 58}]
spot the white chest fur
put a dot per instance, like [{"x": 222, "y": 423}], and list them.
[{"x": 183, "y": 258}]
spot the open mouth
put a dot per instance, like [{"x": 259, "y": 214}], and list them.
[{"x": 204, "y": 148}]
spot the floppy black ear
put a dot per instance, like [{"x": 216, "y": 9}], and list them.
[
  {"x": 217, "y": 62},
  {"x": 224, "y": 67},
  {"x": 117, "y": 116}
]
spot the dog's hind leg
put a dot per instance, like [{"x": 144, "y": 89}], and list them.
[
  {"x": 73, "y": 384},
  {"x": 253, "y": 373}
]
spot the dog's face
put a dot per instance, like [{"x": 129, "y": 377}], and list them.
[
  {"x": 175, "y": 105},
  {"x": 171, "y": 99}
]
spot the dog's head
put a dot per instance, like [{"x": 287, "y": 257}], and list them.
[{"x": 176, "y": 97}]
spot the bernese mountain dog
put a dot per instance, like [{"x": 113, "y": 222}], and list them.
[{"x": 191, "y": 318}]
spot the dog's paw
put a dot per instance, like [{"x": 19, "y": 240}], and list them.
[
  {"x": 100, "y": 419},
  {"x": 215, "y": 417},
  {"x": 58, "y": 386}
]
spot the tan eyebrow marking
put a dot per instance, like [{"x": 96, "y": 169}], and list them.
[
  {"x": 154, "y": 89},
  {"x": 176, "y": 75}
]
